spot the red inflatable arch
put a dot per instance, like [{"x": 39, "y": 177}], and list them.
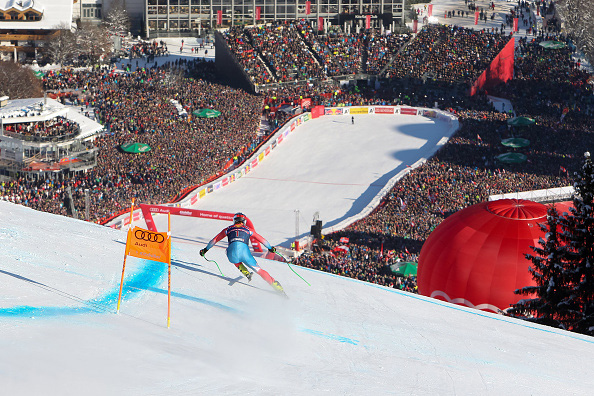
[
  {"x": 148, "y": 210},
  {"x": 476, "y": 256}
]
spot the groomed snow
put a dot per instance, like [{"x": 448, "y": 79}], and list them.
[{"x": 59, "y": 282}]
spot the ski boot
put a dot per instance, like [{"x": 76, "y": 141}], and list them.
[
  {"x": 277, "y": 286},
  {"x": 244, "y": 271}
]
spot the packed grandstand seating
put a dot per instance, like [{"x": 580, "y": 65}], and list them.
[{"x": 135, "y": 106}]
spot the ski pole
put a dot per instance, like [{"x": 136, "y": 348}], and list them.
[
  {"x": 289, "y": 264},
  {"x": 212, "y": 261}
]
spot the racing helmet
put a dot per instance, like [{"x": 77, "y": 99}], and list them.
[{"x": 239, "y": 218}]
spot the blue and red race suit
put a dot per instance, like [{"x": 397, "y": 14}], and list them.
[{"x": 238, "y": 250}]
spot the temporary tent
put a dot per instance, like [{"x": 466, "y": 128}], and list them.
[
  {"x": 135, "y": 147},
  {"x": 515, "y": 142},
  {"x": 404, "y": 268},
  {"x": 206, "y": 113}
]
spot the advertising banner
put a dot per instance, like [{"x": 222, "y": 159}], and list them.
[
  {"x": 317, "y": 111},
  {"x": 254, "y": 163},
  {"x": 257, "y": 13},
  {"x": 359, "y": 110},
  {"x": 415, "y": 26},
  {"x": 430, "y": 113},
  {"x": 305, "y": 103},
  {"x": 332, "y": 111},
  {"x": 320, "y": 23},
  {"x": 367, "y": 21},
  {"x": 430, "y": 10},
  {"x": 384, "y": 110},
  {"x": 515, "y": 25},
  {"x": 307, "y": 7},
  {"x": 261, "y": 156},
  {"x": 220, "y": 17},
  {"x": 476, "y": 17},
  {"x": 408, "y": 111}
]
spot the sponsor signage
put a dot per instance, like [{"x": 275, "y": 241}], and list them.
[
  {"x": 359, "y": 110},
  {"x": 384, "y": 110},
  {"x": 332, "y": 111},
  {"x": 408, "y": 111}
]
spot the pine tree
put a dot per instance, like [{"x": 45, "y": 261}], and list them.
[
  {"x": 578, "y": 237},
  {"x": 547, "y": 271},
  {"x": 563, "y": 264}
]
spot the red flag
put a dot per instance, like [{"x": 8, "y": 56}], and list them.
[
  {"x": 478, "y": 137},
  {"x": 415, "y": 25},
  {"x": 476, "y": 17},
  {"x": 307, "y": 7},
  {"x": 515, "y": 25},
  {"x": 258, "y": 13},
  {"x": 220, "y": 17},
  {"x": 367, "y": 21},
  {"x": 430, "y": 10},
  {"x": 563, "y": 170}
]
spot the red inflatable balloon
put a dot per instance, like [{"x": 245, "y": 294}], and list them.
[{"x": 476, "y": 256}]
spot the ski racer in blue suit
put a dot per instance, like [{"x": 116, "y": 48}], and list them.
[{"x": 238, "y": 252}]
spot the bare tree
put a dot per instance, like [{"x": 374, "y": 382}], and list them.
[
  {"x": 117, "y": 19},
  {"x": 578, "y": 18},
  {"x": 93, "y": 42},
  {"x": 18, "y": 82},
  {"x": 61, "y": 47}
]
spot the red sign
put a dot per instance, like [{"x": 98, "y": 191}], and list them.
[
  {"x": 384, "y": 110},
  {"x": 317, "y": 111},
  {"x": 257, "y": 13},
  {"x": 430, "y": 10},
  {"x": 415, "y": 25},
  {"x": 476, "y": 17},
  {"x": 515, "y": 25},
  {"x": 408, "y": 110},
  {"x": 320, "y": 23},
  {"x": 367, "y": 21},
  {"x": 307, "y": 7},
  {"x": 220, "y": 17},
  {"x": 305, "y": 102},
  {"x": 344, "y": 240}
]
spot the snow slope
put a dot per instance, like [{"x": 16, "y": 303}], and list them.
[{"x": 60, "y": 335}]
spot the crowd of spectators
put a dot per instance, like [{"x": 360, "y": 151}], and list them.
[
  {"x": 549, "y": 86},
  {"x": 247, "y": 56},
  {"x": 285, "y": 52},
  {"x": 58, "y": 126},
  {"x": 447, "y": 53},
  {"x": 136, "y": 107}
]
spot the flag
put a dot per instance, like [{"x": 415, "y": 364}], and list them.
[
  {"x": 515, "y": 25},
  {"x": 476, "y": 17},
  {"x": 430, "y": 10},
  {"x": 308, "y": 7},
  {"x": 344, "y": 240},
  {"x": 415, "y": 25},
  {"x": 148, "y": 245},
  {"x": 258, "y": 13},
  {"x": 563, "y": 170},
  {"x": 478, "y": 137}
]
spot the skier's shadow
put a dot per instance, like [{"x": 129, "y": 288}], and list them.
[{"x": 194, "y": 267}]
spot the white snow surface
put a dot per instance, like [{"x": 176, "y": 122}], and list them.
[{"x": 59, "y": 281}]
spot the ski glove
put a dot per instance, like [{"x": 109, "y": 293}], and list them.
[
  {"x": 203, "y": 251},
  {"x": 272, "y": 250}
]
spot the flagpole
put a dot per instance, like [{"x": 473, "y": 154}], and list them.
[{"x": 125, "y": 256}]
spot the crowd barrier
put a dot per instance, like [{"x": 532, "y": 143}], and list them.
[{"x": 291, "y": 126}]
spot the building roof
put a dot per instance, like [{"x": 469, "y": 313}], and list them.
[{"x": 55, "y": 13}]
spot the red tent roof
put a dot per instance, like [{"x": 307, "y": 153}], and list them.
[{"x": 476, "y": 256}]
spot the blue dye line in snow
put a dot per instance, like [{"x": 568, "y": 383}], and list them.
[
  {"x": 331, "y": 336},
  {"x": 149, "y": 276},
  {"x": 471, "y": 311}
]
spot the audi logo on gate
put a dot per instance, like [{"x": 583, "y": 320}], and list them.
[{"x": 149, "y": 236}]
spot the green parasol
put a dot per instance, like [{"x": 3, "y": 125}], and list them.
[
  {"x": 512, "y": 158},
  {"x": 521, "y": 121},
  {"x": 135, "y": 147},
  {"x": 206, "y": 113},
  {"x": 515, "y": 142},
  {"x": 552, "y": 44},
  {"x": 404, "y": 268}
]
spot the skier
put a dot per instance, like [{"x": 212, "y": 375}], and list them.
[
  {"x": 238, "y": 251},
  {"x": 353, "y": 120}
]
